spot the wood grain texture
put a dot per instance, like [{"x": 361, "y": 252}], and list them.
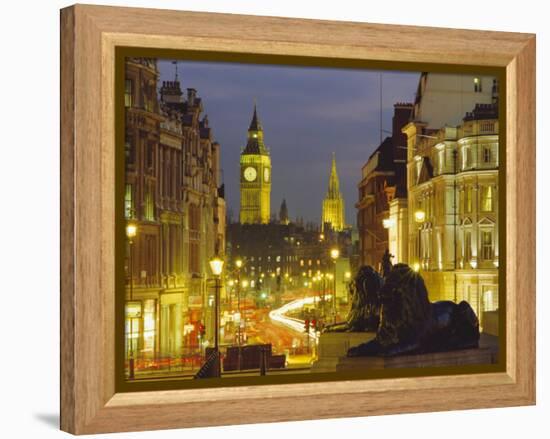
[
  {"x": 90, "y": 34},
  {"x": 67, "y": 182}
]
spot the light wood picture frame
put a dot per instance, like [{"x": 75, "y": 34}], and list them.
[{"x": 90, "y": 36}]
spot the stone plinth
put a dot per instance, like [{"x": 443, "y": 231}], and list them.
[
  {"x": 490, "y": 322},
  {"x": 487, "y": 353},
  {"x": 334, "y": 345}
]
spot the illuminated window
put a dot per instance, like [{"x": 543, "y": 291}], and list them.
[
  {"x": 467, "y": 245},
  {"x": 490, "y": 297},
  {"x": 465, "y": 157},
  {"x": 487, "y": 199},
  {"x": 132, "y": 327},
  {"x": 149, "y": 307},
  {"x": 468, "y": 199},
  {"x": 194, "y": 238},
  {"x": 441, "y": 160},
  {"x": 418, "y": 167},
  {"x": 129, "y": 202},
  {"x": 487, "y": 154},
  {"x": 477, "y": 85},
  {"x": 486, "y": 245},
  {"x": 128, "y": 94},
  {"x": 149, "y": 212}
]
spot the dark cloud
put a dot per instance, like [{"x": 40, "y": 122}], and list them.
[{"x": 307, "y": 114}]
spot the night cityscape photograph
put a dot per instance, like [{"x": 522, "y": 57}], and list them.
[{"x": 301, "y": 220}]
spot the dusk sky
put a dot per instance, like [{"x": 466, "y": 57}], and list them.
[{"x": 307, "y": 113}]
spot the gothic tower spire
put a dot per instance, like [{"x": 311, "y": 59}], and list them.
[
  {"x": 283, "y": 213},
  {"x": 333, "y": 204},
  {"x": 334, "y": 184},
  {"x": 255, "y": 124}
]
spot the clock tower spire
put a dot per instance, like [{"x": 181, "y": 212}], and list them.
[{"x": 255, "y": 163}]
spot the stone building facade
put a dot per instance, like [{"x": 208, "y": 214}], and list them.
[
  {"x": 174, "y": 197},
  {"x": 453, "y": 207},
  {"x": 381, "y": 208}
]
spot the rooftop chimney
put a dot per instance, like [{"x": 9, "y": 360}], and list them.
[{"x": 170, "y": 92}]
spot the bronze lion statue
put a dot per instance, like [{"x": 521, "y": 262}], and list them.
[
  {"x": 411, "y": 324},
  {"x": 364, "y": 313}
]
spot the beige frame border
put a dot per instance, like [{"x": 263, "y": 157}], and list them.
[{"x": 89, "y": 35}]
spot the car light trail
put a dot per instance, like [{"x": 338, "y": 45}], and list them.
[{"x": 278, "y": 315}]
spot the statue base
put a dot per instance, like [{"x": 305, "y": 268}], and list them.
[
  {"x": 334, "y": 345},
  {"x": 487, "y": 353}
]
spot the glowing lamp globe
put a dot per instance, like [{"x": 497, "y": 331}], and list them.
[
  {"x": 131, "y": 230},
  {"x": 216, "y": 265},
  {"x": 419, "y": 216}
]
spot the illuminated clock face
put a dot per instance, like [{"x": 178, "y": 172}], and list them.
[
  {"x": 266, "y": 174},
  {"x": 250, "y": 174}
]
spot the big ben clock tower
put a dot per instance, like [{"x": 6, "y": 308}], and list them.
[{"x": 255, "y": 176}]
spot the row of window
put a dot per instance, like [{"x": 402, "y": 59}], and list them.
[
  {"x": 148, "y": 203},
  {"x": 148, "y": 96},
  {"x": 444, "y": 161},
  {"x": 130, "y": 153},
  {"x": 428, "y": 204},
  {"x": 486, "y": 199},
  {"x": 486, "y": 245}
]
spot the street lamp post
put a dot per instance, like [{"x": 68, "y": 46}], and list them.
[
  {"x": 239, "y": 264},
  {"x": 419, "y": 217},
  {"x": 334, "y": 254},
  {"x": 244, "y": 285},
  {"x": 131, "y": 232},
  {"x": 216, "y": 265}
]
